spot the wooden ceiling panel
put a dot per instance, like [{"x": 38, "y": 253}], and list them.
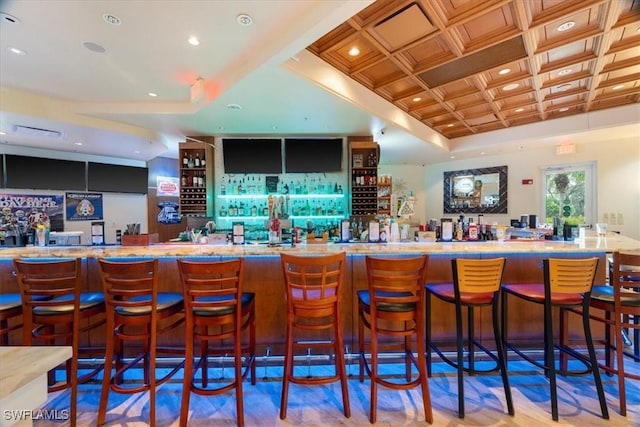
[
  {"x": 486, "y": 27},
  {"x": 450, "y": 53},
  {"x": 429, "y": 54},
  {"x": 403, "y": 28}
]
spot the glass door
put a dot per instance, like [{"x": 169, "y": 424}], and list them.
[{"x": 569, "y": 194}]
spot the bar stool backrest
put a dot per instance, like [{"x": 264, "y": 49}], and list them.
[
  {"x": 313, "y": 283},
  {"x": 132, "y": 286},
  {"x": 212, "y": 286},
  {"x": 625, "y": 275},
  {"x": 396, "y": 280},
  {"x": 570, "y": 276},
  {"x": 42, "y": 283},
  {"x": 478, "y": 275}
]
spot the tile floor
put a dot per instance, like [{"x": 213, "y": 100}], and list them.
[{"x": 322, "y": 406}]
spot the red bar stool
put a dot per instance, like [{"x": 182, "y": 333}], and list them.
[
  {"x": 620, "y": 302},
  {"x": 10, "y": 311},
  {"x": 136, "y": 312},
  {"x": 55, "y": 310},
  {"x": 216, "y": 309},
  {"x": 393, "y": 307},
  {"x": 312, "y": 290},
  {"x": 567, "y": 285},
  {"x": 476, "y": 284}
]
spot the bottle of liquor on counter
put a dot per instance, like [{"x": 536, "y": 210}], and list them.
[{"x": 473, "y": 231}]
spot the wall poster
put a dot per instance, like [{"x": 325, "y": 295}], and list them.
[
  {"x": 18, "y": 211},
  {"x": 84, "y": 206}
]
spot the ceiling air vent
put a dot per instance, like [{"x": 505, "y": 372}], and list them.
[{"x": 36, "y": 132}]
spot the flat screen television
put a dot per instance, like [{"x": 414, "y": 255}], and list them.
[
  {"x": 117, "y": 178},
  {"x": 244, "y": 155},
  {"x": 44, "y": 174},
  {"x": 303, "y": 155}
]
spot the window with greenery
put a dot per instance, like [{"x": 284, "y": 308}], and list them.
[{"x": 568, "y": 194}]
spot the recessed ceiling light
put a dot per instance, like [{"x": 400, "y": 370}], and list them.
[
  {"x": 234, "y": 106},
  {"x": 274, "y": 127},
  {"x": 566, "y": 26},
  {"x": 77, "y": 143},
  {"x": 452, "y": 157},
  {"x": 450, "y": 125},
  {"x": 511, "y": 86},
  {"x": 2, "y": 132},
  {"x": 354, "y": 51},
  {"x": 564, "y": 87},
  {"x": 616, "y": 87},
  {"x": 482, "y": 153},
  {"x": 565, "y": 72},
  {"x": 244, "y": 19},
  {"x": 5, "y": 17},
  {"x": 136, "y": 151},
  {"x": 193, "y": 41},
  {"x": 17, "y": 51},
  {"x": 152, "y": 94},
  {"x": 111, "y": 19},
  {"x": 504, "y": 71},
  {"x": 563, "y": 109},
  {"x": 417, "y": 99},
  {"x": 94, "y": 47},
  {"x": 519, "y": 110}
]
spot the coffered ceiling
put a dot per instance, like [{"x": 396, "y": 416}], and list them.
[
  {"x": 468, "y": 67},
  {"x": 426, "y": 84}
]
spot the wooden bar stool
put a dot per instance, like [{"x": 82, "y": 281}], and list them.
[
  {"x": 567, "y": 285},
  {"x": 136, "y": 312},
  {"x": 476, "y": 284},
  {"x": 216, "y": 310},
  {"x": 620, "y": 302},
  {"x": 312, "y": 290},
  {"x": 10, "y": 311},
  {"x": 393, "y": 307},
  {"x": 55, "y": 311}
]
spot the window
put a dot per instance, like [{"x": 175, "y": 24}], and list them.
[{"x": 569, "y": 193}]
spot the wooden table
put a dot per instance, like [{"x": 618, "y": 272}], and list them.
[{"x": 23, "y": 381}]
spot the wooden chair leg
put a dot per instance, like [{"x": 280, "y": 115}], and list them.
[{"x": 287, "y": 373}]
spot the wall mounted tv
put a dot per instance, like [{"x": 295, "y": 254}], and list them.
[
  {"x": 303, "y": 155},
  {"x": 259, "y": 155},
  {"x": 117, "y": 178},
  {"x": 44, "y": 174}
]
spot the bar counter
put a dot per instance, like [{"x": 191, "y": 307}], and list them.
[{"x": 263, "y": 275}]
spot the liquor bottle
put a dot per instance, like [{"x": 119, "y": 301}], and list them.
[
  {"x": 197, "y": 161},
  {"x": 254, "y": 210},
  {"x": 185, "y": 160},
  {"x": 190, "y": 162},
  {"x": 203, "y": 162},
  {"x": 183, "y": 179}
]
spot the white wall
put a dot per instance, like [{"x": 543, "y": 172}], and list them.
[{"x": 617, "y": 177}]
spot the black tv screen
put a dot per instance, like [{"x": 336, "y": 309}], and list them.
[
  {"x": 2, "y": 172},
  {"x": 313, "y": 155},
  {"x": 117, "y": 178},
  {"x": 44, "y": 174},
  {"x": 252, "y": 155}
]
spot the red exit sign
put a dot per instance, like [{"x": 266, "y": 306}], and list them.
[{"x": 527, "y": 181}]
